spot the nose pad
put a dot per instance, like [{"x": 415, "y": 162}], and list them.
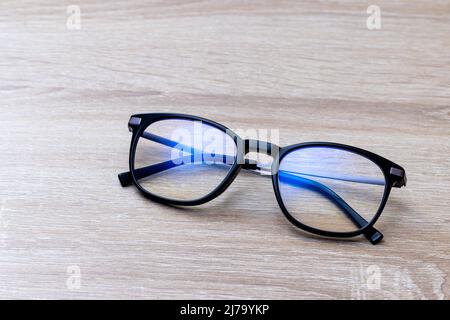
[{"x": 261, "y": 160}]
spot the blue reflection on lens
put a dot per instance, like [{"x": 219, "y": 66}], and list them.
[
  {"x": 330, "y": 189},
  {"x": 183, "y": 159}
]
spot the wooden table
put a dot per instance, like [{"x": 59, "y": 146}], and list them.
[{"x": 311, "y": 69}]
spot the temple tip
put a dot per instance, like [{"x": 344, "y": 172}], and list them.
[
  {"x": 125, "y": 179},
  {"x": 374, "y": 236}
]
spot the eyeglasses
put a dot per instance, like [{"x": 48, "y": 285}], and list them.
[{"x": 327, "y": 189}]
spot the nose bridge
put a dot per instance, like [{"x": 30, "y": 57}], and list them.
[
  {"x": 265, "y": 147},
  {"x": 260, "y": 147}
]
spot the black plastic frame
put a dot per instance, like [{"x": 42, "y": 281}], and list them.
[{"x": 395, "y": 175}]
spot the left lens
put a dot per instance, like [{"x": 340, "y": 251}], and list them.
[
  {"x": 183, "y": 159},
  {"x": 330, "y": 189}
]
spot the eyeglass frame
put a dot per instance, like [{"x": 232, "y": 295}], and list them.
[{"x": 395, "y": 175}]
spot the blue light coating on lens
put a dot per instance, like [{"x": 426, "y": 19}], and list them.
[{"x": 350, "y": 181}]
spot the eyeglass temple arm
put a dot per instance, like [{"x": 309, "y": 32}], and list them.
[{"x": 373, "y": 235}]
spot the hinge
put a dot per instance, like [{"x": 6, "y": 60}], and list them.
[
  {"x": 397, "y": 172},
  {"x": 134, "y": 121}
]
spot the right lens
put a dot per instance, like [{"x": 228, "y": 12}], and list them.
[
  {"x": 330, "y": 189},
  {"x": 183, "y": 159}
]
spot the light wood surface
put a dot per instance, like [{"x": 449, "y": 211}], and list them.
[{"x": 311, "y": 69}]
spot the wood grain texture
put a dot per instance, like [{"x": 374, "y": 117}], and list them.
[{"x": 309, "y": 68}]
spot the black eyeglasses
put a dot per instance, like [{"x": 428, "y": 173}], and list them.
[{"x": 328, "y": 189}]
